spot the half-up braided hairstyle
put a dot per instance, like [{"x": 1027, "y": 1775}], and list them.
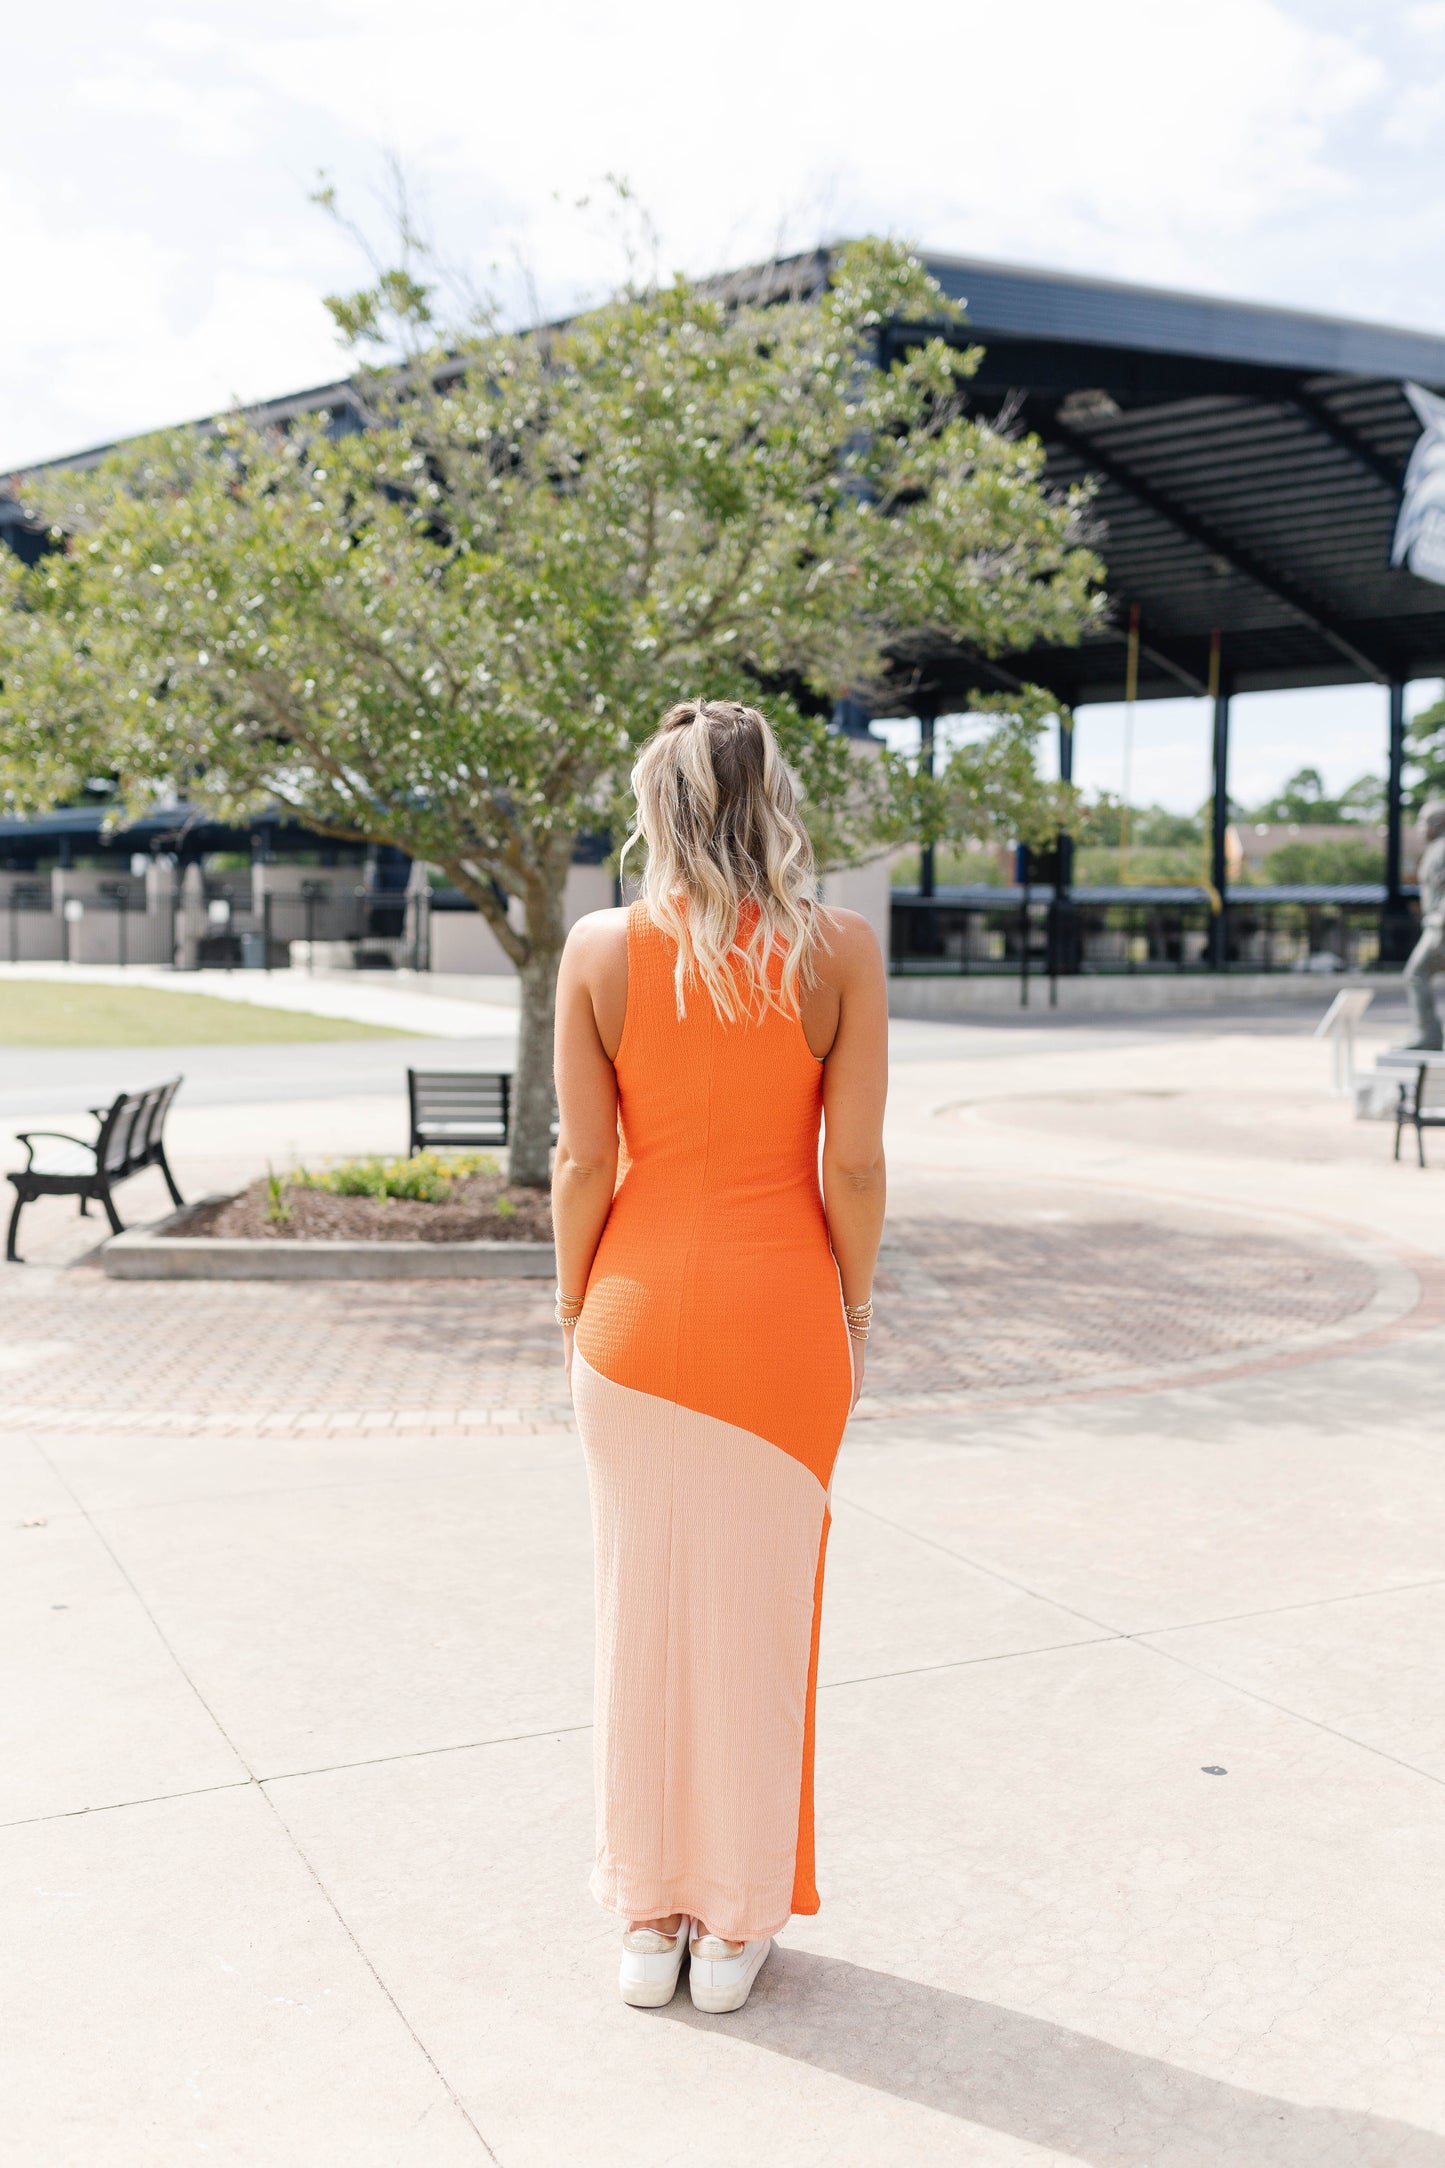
[{"x": 718, "y": 814}]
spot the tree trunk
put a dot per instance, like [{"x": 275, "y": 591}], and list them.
[
  {"x": 536, "y": 953},
  {"x": 530, "y": 1159}
]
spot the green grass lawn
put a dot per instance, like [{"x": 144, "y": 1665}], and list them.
[{"x": 44, "y": 1012}]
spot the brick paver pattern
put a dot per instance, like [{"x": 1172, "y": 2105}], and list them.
[
  {"x": 1063, "y": 1305},
  {"x": 967, "y": 1309}
]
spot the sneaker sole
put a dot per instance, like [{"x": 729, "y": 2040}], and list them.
[
  {"x": 718, "y": 2001},
  {"x": 649, "y": 1994}
]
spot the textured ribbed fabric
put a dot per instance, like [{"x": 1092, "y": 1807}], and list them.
[{"x": 712, "y": 1377}]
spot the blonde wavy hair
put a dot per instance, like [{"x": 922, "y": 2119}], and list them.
[{"x": 718, "y": 814}]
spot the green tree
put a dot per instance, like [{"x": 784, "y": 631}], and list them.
[
  {"x": 1364, "y": 800},
  {"x": 1158, "y": 829},
  {"x": 450, "y": 628},
  {"x": 1304, "y": 798},
  {"x": 1152, "y": 827},
  {"x": 1339, "y": 858},
  {"x": 1425, "y": 750}
]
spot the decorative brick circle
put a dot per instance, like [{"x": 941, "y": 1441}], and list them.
[
  {"x": 1025, "y": 1302},
  {"x": 982, "y": 1306}
]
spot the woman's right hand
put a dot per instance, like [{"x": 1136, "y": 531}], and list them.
[{"x": 569, "y": 1334}]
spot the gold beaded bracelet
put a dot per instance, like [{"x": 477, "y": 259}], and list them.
[
  {"x": 859, "y": 1318},
  {"x": 568, "y": 1309}
]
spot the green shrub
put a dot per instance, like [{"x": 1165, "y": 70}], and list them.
[
  {"x": 425, "y": 1178},
  {"x": 1105, "y": 865},
  {"x": 1333, "y": 858},
  {"x": 954, "y": 867}
]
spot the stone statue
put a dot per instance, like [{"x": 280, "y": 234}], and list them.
[{"x": 1428, "y": 954}]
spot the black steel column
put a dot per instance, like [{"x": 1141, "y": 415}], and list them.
[
  {"x": 1397, "y": 931},
  {"x": 1218, "y": 866},
  {"x": 1063, "y": 936},
  {"x": 927, "y": 727},
  {"x": 1066, "y": 775}
]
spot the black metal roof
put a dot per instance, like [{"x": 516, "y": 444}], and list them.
[
  {"x": 1248, "y": 461},
  {"x": 186, "y": 829}
]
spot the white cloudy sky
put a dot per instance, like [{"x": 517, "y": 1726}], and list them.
[{"x": 159, "y": 257}]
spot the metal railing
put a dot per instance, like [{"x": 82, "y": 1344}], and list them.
[
  {"x": 1001, "y": 931},
  {"x": 115, "y": 925}
]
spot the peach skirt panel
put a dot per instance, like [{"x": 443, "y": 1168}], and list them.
[{"x": 708, "y": 1544}]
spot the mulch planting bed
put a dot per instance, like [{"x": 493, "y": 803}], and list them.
[{"x": 470, "y": 1214}]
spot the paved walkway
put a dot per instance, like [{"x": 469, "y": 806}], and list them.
[{"x": 1131, "y": 1729}]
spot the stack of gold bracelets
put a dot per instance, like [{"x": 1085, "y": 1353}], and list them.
[{"x": 859, "y": 1315}]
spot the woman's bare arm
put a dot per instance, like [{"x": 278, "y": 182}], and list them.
[
  {"x": 855, "y": 1087},
  {"x": 584, "y": 1172}
]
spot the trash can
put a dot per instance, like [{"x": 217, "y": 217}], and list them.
[{"x": 253, "y": 952}]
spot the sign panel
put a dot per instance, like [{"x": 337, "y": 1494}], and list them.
[{"x": 1420, "y": 529}]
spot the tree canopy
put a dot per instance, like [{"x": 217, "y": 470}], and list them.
[
  {"x": 1425, "y": 749},
  {"x": 1304, "y": 798},
  {"x": 449, "y": 628}
]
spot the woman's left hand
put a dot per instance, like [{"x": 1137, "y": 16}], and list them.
[{"x": 858, "y": 1348}]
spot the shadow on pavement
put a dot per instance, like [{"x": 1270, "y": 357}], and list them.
[{"x": 1043, "y": 2083}]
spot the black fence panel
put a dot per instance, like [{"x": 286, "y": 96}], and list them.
[{"x": 1007, "y": 931}]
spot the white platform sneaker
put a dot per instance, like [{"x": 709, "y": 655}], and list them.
[
  {"x": 722, "y": 1973},
  {"x": 650, "y": 1965}
]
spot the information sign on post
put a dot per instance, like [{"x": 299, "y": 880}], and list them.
[{"x": 1338, "y": 1026}]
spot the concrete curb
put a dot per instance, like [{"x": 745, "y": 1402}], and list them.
[
  {"x": 151, "y": 1253},
  {"x": 948, "y": 997}
]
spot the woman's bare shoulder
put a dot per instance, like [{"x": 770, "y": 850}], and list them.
[
  {"x": 593, "y": 978},
  {"x": 849, "y": 947},
  {"x": 599, "y": 937}
]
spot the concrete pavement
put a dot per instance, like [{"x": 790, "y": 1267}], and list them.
[{"x": 1131, "y": 1780}]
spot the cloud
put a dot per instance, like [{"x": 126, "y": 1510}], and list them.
[
  {"x": 1417, "y": 115},
  {"x": 212, "y": 121},
  {"x": 169, "y": 258},
  {"x": 130, "y": 337},
  {"x": 1124, "y": 133}
]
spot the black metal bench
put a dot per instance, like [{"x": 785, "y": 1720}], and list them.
[
  {"x": 451, "y": 1107},
  {"x": 131, "y": 1137},
  {"x": 1410, "y": 1108},
  {"x": 458, "y": 1106}
]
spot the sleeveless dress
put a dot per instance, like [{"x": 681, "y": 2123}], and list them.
[{"x": 711, "y": 1376}]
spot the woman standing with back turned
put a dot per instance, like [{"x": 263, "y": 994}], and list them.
[{"x": 714, "y": 1304}]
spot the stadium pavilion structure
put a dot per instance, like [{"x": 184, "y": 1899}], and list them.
[{"x": 1249, "y": 464}]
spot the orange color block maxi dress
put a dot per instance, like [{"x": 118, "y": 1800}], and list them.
[{"x": 712, "y": 1376}]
